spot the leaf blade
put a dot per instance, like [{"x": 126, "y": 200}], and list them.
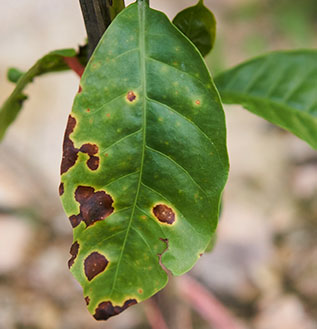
[
  {"x": 281, "y": 87},
  {"x": 137, "y": 105},
  {"x": 199, "y": 25}
]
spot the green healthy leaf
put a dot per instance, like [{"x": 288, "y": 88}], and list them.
[
  {"x": 51, "y": 62},
  {"x": 281, "y": 87},
  {"x": 14, "y": 74},
  {"x": 144, "y": 161},
  {"x": 199, "y": 25},
  {"x": 114, "y": 7}
]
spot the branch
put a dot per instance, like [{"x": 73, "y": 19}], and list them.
[
  {"x": 154, "y": 315},
  {"x": 206, "y": 304},
  {"x": 74, "y": 64},
  {"x": 98, "y": 14}
]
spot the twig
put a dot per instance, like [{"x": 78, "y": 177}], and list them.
[
  {"x": 74, "y": 64},
  {"x": 97, "y": 19},
  {"x": 206, "y": 304},
  {"x": 154, "y": 315}
]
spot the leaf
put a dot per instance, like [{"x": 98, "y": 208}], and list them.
[
  {"x": 14, "y": 74},
  {"x": 281, "y": 87},
  {"x": 114, "y": 7},
  {"x": 144, "y": 161},
  {"x": 52, "y": 62},
  {"x": 199, "y": 25}
]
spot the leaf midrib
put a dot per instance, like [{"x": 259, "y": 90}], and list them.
[{"x": 141, "y": 13}]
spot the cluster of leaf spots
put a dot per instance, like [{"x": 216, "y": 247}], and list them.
[
  {"x": 95, "y": 264},
  {"x": 70, "y": 152}
]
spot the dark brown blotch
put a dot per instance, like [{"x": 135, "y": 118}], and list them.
[
  {"x": 131, "y": 96},
  {"x": 74, "y": 252},
  {"x": 61, "y": 189},
  {"x": 94, "y": 206},
  {"x": 95, "y": 263},
  {"x": 164, "y": 214},
  {"x": 70, "y": 152},
  {"x": 91, "y": 150},
  {"x": 105, "y": 310},
  {"x": 88, "y": 148},
  {"x": 75, "y": 220},
  {"x": 87, "y": 300},
  {"x": 93, "y": 163}
]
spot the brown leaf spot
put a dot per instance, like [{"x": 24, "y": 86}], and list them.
[
  {"x": 88, "y": 148},
  {"x": 164, "y": 214},
  {"x": 91, "y": 150},
  {"x": 69, "y": 150},
  {"x": 131, "y": 96},
  {"x": 105, "y": 309},
  {"x": 95, "y": 263},
  {"x": 61, "y": 189},
  {"x": 75, "y": 220},
  {"x": 140, "y": 291},
  {"x": 87, "y": 300},
  {"x": 88, "y": 110},
  {"x": 197, "y": 102},
  {"x": 73, "y": 251},
  {"x": 94, "y": 206},
  {"x": 93, "y": 163},
  {"x": 108, "y": 115}
]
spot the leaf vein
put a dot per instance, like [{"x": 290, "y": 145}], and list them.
[{"x": 179, "y": 166}]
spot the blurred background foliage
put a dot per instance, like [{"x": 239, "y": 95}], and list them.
[
  {"x": 256, "y": 27},
  {"x": 264, "y": 266}
]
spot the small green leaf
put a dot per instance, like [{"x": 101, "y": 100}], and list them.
[
  {"x": 14, "y": 74},
  {"x": 114, "y": 7},
  {"x": 281, "y": 87},
  {"x": 52, "y": 62},
  {"x": 199, "y": 25},
  {"x": 144, "y": 161}
]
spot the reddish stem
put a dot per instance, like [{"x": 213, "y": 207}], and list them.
[
  {"x": 154, "y": 315},
  {"x": 206, "y": 304},
  {"x": 74, "y": 64}
]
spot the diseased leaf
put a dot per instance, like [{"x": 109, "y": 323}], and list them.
[
  {"x": 281, "y": 87},
  {"x": 144, "y": 161},
  {"x": 52, "y": 62},
  {"x": 199, "y": 25}
]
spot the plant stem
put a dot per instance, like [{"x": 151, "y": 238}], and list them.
[
  {"x": 74, "y": 64},
  {"x": 97, "y": 19},
  {"x": 206, "y": 304},
  {"x": 154, "y": 315},
  {"x": 98, "y": 14}
]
